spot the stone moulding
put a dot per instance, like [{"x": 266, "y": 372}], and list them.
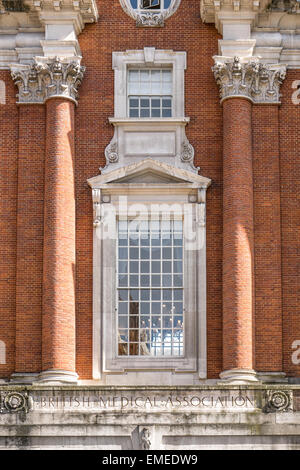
[
  {"x": 260, "y": 83},
  {"x": 97, "y": 207},
  {"x": 48, "y": 78}
]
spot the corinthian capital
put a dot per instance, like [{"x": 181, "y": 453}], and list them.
[
  {"x": 48, "y": 78},
  {"x": 258, "y": 82}
]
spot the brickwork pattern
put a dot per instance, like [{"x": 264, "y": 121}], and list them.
[
  {"x": 289, "y": 116},
  {"x": 8, "y": 218},
  {"x": 267, "y": 234},
  {"x": 30, "y": 234}
]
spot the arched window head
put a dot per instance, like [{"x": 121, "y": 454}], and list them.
[{"x": 150, "y": 12}]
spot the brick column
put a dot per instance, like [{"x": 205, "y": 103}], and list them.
[
  {"x": 58, "y": 337},
  {"x": 238, "y": 255},
  {"x": 55, "y": 82},
  {"x": 242, "y": 83}
]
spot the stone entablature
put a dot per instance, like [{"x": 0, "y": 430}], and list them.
[
  {"x": 48, "y": 28},
  {"x": 48, "y": 78},
  {"x": 249, "y": 79},
  {"x": 87, "y": 9},
  {"x": 214, "y": 11},
  {"x": 255, "y": 28}
]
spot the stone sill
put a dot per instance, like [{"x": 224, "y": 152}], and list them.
[{"x": 135, "y": 121}]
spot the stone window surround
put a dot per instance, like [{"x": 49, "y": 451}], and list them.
[
  {"x": 105, "y": 200},
  {"x": 173, "y": 128},
  {"x": 147, "y": 58}
]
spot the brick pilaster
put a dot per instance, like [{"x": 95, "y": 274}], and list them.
[
  {"x": 29, "y": 270},
  {"x": 267, "y": 229}
]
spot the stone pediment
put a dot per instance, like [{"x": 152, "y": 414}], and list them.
[{"x": 149, "y": 172}]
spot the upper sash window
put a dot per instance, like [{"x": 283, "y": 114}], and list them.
[{"x": 150, "y": 4}]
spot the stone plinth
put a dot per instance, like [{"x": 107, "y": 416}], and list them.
[{"x": 157, "y": 418}]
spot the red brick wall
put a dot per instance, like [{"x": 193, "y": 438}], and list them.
[
  {"x": 289, "y": 116},
  {"x": 267, "y": 234},
  {"x": 30, "y": 233},
  {"x": 116, "y": 31},
  {"x": 8, "y": 211}
]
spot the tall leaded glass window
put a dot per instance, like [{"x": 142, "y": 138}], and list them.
[
  {"x": 150, "y": 288},
  {"x": 150, "y": 93}
]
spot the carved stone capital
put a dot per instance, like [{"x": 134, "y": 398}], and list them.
[
  {"x": 48, "y": 78},
  {"x": 260, "y": 83}
]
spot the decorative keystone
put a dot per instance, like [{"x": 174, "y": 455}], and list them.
[
  {"x": 150, "y": 19},
  {"x": 48, "y": 78},
  {"x": 260, "y": 83},
  {"x": 278, "y": 401}
]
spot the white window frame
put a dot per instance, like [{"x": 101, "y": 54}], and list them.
[{"x": 149, "y": 95}]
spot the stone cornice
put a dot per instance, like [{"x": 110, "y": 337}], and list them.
[
  {"x": 260, "y": 83},
  {"x": 48, "y": 78},
  {"x": 212, "y": 11},
  {"x": 256, "y": 28},
  {"x": 47, "y": 28},
  {"x": 86, "y": 8}
]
